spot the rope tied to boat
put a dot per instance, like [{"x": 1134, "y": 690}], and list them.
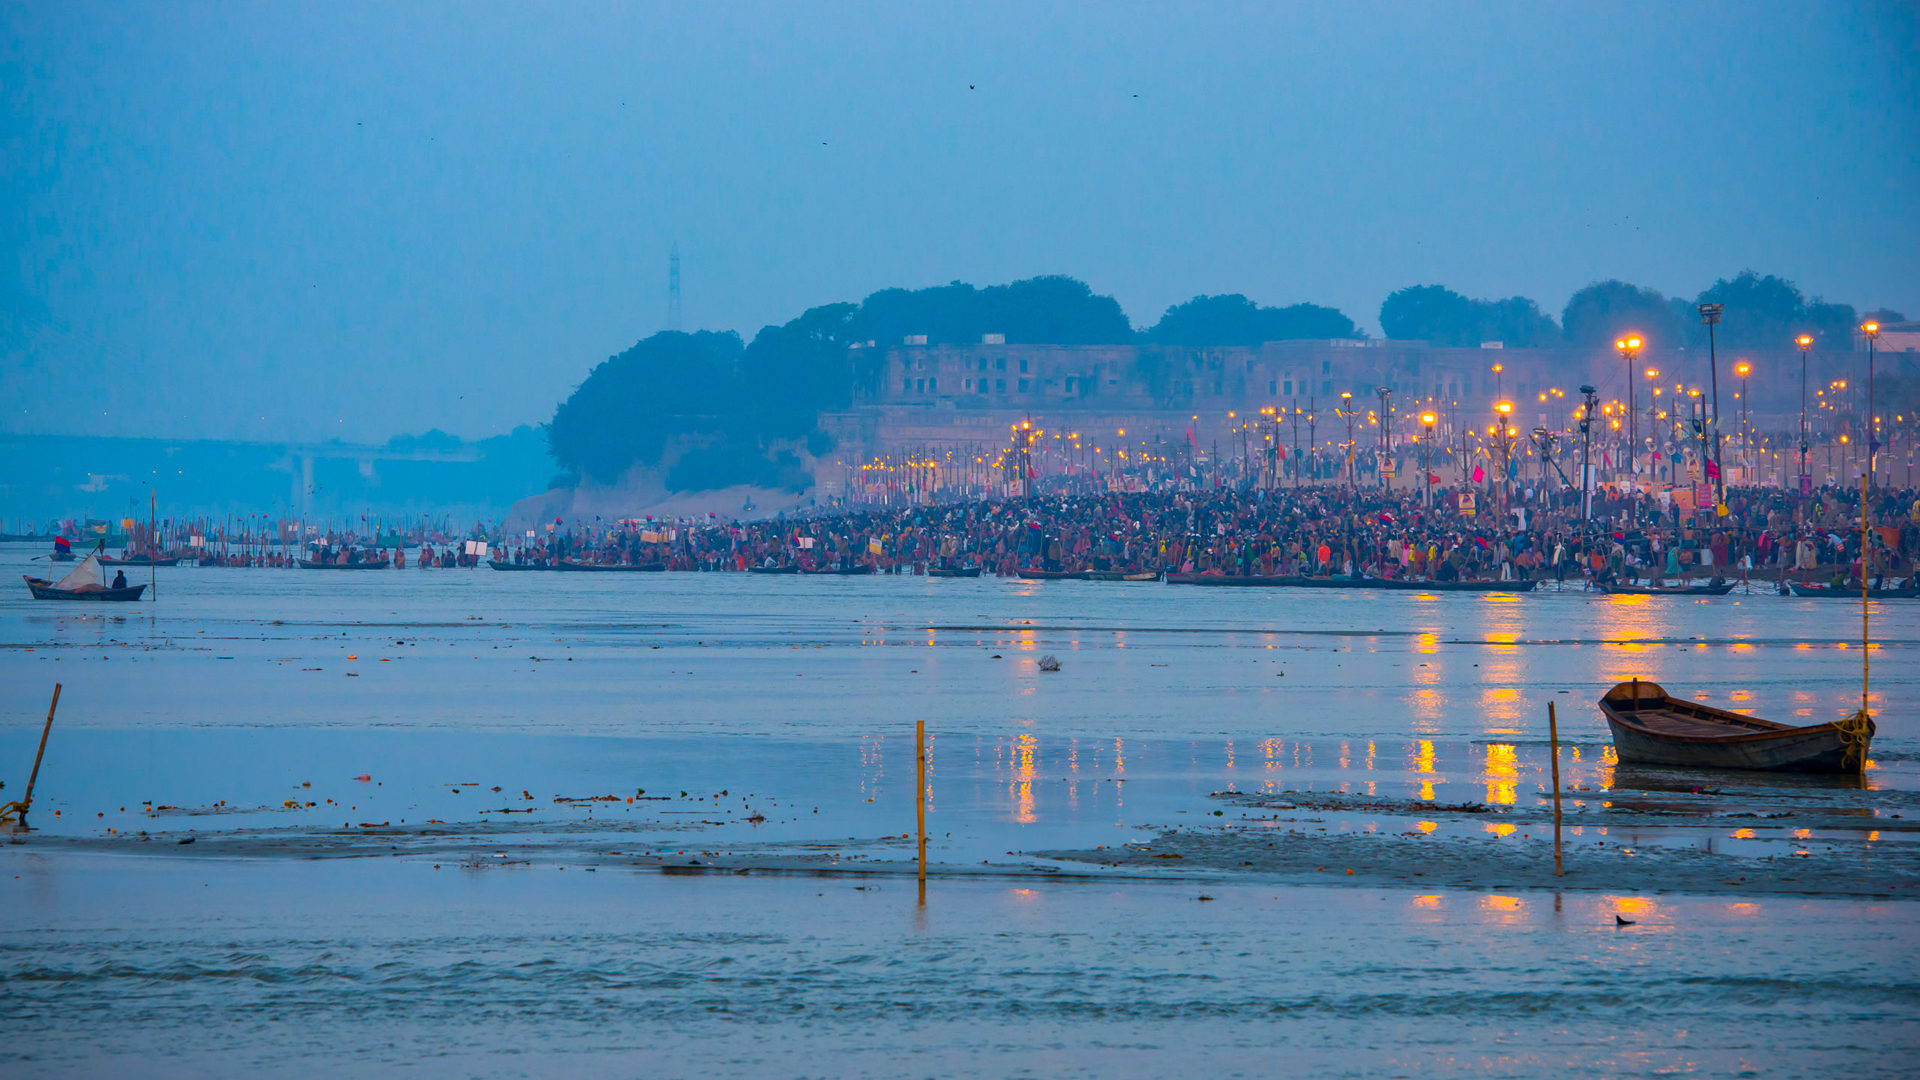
[{"x": 1856, "y": 733}]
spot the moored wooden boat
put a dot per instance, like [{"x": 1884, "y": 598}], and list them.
[
  {"x": 953, "y": 571},
  {"x": 1721, "y": 589},
  {"x": 1828, "y": 592},
  {"x": 609, "y": 568},
  {"x": 365, "y": 564},
  {"x": 141, "y": 560},
  {"x": 1651, "y": 727},
  {"x": 503, "y": 564},
  {"x": 788, "y": 569},
  {"x": 1031, "y": 574},
  {"x": 1122, "y": 575},
  {"x": 856, "y": 570}
]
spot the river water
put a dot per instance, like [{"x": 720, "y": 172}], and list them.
[{"x": 450, "y": 915}]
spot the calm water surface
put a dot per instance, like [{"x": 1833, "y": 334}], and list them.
[{"x": 244, "y": 690}]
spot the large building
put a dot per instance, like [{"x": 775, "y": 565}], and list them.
[{"x": 957, "y": 405}]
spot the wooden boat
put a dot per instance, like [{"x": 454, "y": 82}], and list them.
[
  {"x": 84, "y": 582},
  {"x": 365, "y": 564},
  {"x": 1651, "y": 727},
  {"x": 1123, "y": 575},
  {"x": 1721, "y": 589},
  {"x": 856, "y": 570},
  {"x": 1390, "y": 584},
  {"x": 1052, "y": 575},
  {"x": 141, "y": 560},
  {"x": 953, "y": 571},
  {"x": 1828, "y": 592},
  {"x": 609, "y": 568},
  {"x": 788, "y": 569},
  {"x": 505, "y": 564}
]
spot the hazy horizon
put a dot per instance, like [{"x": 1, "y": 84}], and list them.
[{"x": 305, "y": 222}]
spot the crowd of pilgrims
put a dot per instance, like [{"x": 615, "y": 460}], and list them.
[{"x": 1319, "y": 531}]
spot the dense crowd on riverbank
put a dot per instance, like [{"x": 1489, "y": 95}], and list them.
[{"x": 1314, "y": 531}]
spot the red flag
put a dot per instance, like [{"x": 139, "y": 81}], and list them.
[{"x": 1713, "y": 470}]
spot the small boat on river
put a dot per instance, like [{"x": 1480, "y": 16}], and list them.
[
  {"x": 570, "y": 565},
  {"x": 1390, "y": 584},
  {"x": 1652, "y": 727},
  {"x": 953, "y": 571},
  {"x": 1122, "y": 575},
  {"x": 1051, "y": 575},
  {"x": 505, "y": 564},
  {"x": 84, "y": 582},
  {"x": 1721, "y": 589},
  {"x": 141, "y": 560},
  {"x": 1828, "y": 592}
]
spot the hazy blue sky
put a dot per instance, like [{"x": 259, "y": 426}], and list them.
[{"x": 279, "y": 220}]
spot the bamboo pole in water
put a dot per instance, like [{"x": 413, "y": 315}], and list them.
[
  {"x": 920, "y": 796},
  {"x": 1553, "y": 740}
]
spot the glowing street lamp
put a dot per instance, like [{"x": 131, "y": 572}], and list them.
[
  {"x": 1427, "y": 420},
  {"x": 1805, "y": 341},
  {"x": 1872, "y": 330},
  {"x": 1743, "y": 369},
  {"x": 1629, "y": 347}
]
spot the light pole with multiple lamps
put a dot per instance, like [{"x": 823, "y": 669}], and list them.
[
  {"x": 1346, "y": 411},
  {"x": 1386, "y": 432},
  {"x": 1629, "y": 347},
  {"x": 1710, "y": 314},
  {"x": 1505, "y": 411},
  {"x": 1744, "y": 369},
  {"x": 1871, "y": 328},
  {"x": 1586, "y": 453},
  {"x": 1805, "y": 341},
  {"x": 1427, "y": 420}
]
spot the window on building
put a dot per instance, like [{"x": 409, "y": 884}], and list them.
[
  {"x": 983, "y": 363},
  {"x": 1023, "y": 365},
  {"x": 969, "y": 385},
  {"x": 1000, "y": 385},
  {"x": 933, "y": 384},
  {"x": 1326, "y": 386},
  {"x": 1273, "y": 386},
  {"x": 906, "y": 386},
  {"x": 1289, "y": 388},
  {"x": 1000, "y": 363},
  {"x": 922, "y": 387},
  {"x": 1023, "y": 386},
  {"x": 1326, "y": 367},
  {"x": 1069, "y": 384}
]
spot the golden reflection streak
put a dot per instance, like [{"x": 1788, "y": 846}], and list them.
[
  {"x": 1023, "y": 778},
  {"x": 1502, "y": 771}
]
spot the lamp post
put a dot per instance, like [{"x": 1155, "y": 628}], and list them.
[
  {"x": 1586, "y": 453},
  {"x": 1346, "y": 412},
  {"x": 1629, "y": 347},
  {"x": 1427, "y": 420},
  {"x": 1653, "y": 425},
  {"x": 1710, "y": 314},
  {"x": 1872, "y": 330},
  {"x": 1805, "y": 341},
  {"x": 1743, "y": 369},
  {"x": 1505, "y": 410},
  {"x": 1386, "y": 432}
]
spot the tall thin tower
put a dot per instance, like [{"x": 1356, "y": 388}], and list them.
[{"x": 673, "y": 288}]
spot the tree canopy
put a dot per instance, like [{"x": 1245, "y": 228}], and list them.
[
  {"x": 1232, "y": 319},
  {"x": 1439, "y": 315},
  {"x": 1598, "y": 314}
]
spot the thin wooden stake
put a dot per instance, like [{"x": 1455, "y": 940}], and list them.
[
  {"x": 920, "y": 796},
  {"x": 1553, "y": 738}
]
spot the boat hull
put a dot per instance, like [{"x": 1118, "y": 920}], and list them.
[
  {"x": 44, "y": 590},
  {"x": 958, "y": 572},
  {"x": 1389, "y": 584},
  {"x": 308, "y": 564},
  {"x": 1650, "y": 727},
  {"x": 1657, "y": 590},
  {"x": 1815, "y": 749},
  {"x": 1825, "y": 592}
]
